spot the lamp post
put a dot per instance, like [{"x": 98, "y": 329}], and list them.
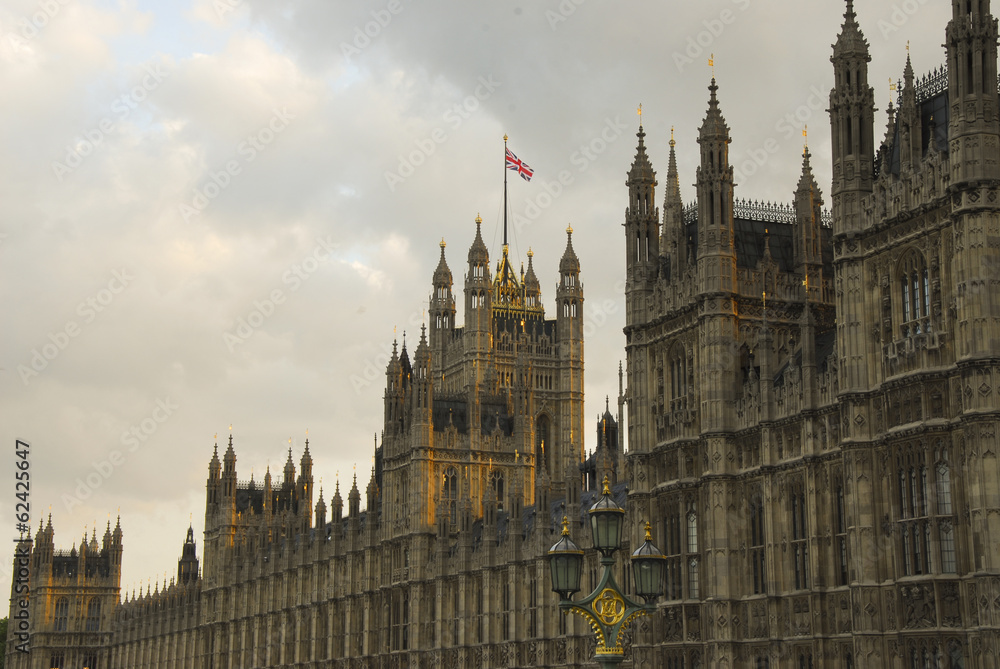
[{"x": 608, "y": 611}]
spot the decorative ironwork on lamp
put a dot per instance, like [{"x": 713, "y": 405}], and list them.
[{"x": 607, "y": 610}]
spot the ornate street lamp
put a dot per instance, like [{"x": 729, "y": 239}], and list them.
[
  {"x": 608, "y": 611},
  {"x": 648, "y": 569},
  {"x": 566, "y": 562}
]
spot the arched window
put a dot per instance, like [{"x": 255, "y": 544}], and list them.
[
  {"x": 94, "y": 615},
  {"x": 692, "y": 546},
  {"x": 800, "y": 546},
  {"x": 543, "y": 441},
  {"x": 757, "y": 557},
  {"x": 497, "y": 483},
  {"x": 841, "y": 538},
  {"x": 678, "y": 372},
  {"x": 449, "y": 493},
  {"x": 61, "y": 614},
  {"x": 914, "y": 294}
]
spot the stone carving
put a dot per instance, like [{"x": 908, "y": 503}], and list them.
[{"x": 918, "y": 606}]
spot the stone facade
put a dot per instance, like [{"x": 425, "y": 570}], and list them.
[{"x": 813, "y": 402}]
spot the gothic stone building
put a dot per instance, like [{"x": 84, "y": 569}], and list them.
[
  {"x": 812, "y": 407},
  {"x": 812, "y": 403}
]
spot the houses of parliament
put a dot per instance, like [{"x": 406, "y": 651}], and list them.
[{"x": 812, "y": 403}]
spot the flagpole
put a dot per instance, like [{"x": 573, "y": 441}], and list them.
[{"x": 505, "y": 190}]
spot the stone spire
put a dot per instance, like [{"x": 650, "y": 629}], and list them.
[
  {"x": 808, "y": 242},
  {"x": 532, "y": 287},
  {"x": 851, "y": 42},
  {"x": 569, "y": 263},
  {"x": 673, "y": 245},
  {"x": 442, "y": 274},
  {"x": 641, "y": 171}
]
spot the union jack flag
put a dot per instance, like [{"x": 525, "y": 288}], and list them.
[{"x": 519, "y": 166}]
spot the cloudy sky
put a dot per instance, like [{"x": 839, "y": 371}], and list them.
[{"x": 218, "y": 212}]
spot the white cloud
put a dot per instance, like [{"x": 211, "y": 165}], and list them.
[{"x": 317, "y": 361}]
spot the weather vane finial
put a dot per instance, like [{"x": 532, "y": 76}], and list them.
[
  {"x": 711, "y": 64},
  {"x": 639, "y": 111}
]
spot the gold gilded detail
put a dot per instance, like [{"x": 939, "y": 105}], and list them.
[{"x": 609, "y": 607}]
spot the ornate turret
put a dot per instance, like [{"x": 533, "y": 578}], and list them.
[
  {"x": 304, "y": 490},
  {"x": 852, "y": 118},
  {"x": 268, "y": 494},
  {"x": 442, "y": 310},
  {"x": 187, "y": 565},
  {"x": 354, "y": 500},
  {"x": 716, "y": 250},
  {"x": 372, "y": 517},
  {"x": 808, "y": 234},
  {"x": 395, "y": 386},
  {"x": 532, "y": 287},
  {"x": 321, "y": 514},
  {"x": 974, "y": 140},
  {"x": 228, "y": 483},
  {"x": 909, "y": 123},
  {"x": 569, "y": 333},
  {"x": 971, "y": 43},
  {"x": 289, "y": 472},
  {"x": 716, "y": 270},
  {"x": 478, "y": 295},
  {"x": 420, "y": 411},
  {"x": 642, "y": 232}
]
